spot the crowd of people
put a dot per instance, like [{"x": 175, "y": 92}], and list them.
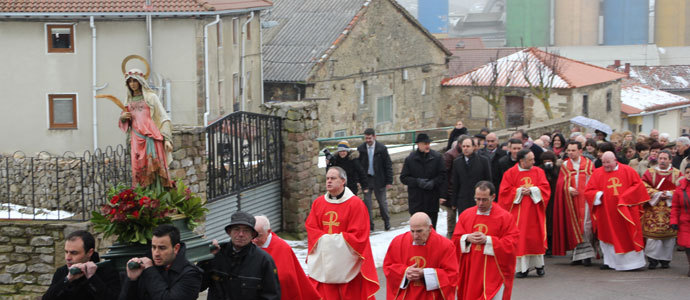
[{"x": 509, "y": 205}]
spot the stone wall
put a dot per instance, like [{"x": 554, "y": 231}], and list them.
[
  {"x": 300, "y": 160},
  {"x": 30, "y": 252},
  {"x": 189, "y": 157}
]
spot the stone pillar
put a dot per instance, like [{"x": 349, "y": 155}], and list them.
[
  {"x": 189, "y": 157},
  {"x": 300, "y": 160}
]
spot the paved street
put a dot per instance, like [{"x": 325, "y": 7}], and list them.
[{"x": 563, "y": 281}]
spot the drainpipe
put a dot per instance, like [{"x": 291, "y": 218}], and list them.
[
  {"x": 243, "y": 84},
  {"x": 94, "y": 88},
  {"x": 206, "y": 79},
  {"x": 261, "y": 61},
  {"x": 149, "y": 34}
]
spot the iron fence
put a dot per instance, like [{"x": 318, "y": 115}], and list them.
[
  {"x": 244, "y": 151},
  {"x": 66, "y": 187}
]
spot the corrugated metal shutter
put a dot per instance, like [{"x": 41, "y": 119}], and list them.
[
  {"x": 264, "y": 200},
  {"x": 218, "y": 217},
  {"x": 261, "y": 200}
]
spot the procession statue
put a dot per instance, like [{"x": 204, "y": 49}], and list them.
[{"x": 148, "y": 126}]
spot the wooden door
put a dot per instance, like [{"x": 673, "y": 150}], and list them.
[{"x": 515, "y": 107}]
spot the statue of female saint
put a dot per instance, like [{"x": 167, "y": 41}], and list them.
[{"x": 149, "y": 128}]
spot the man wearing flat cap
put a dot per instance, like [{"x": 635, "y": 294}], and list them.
[
  {"x": 240, "y": 269},
  {"x": 424, "y": 173}
]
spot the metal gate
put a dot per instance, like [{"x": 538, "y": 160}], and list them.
[{"x": 244, "y": 170}]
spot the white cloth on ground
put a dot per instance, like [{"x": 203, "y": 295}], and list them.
[{"x": 621, "y": 262}]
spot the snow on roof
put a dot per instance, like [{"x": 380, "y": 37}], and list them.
[
  {"x": 639, "y": 98},
  {"x": 511, "y": 71}
]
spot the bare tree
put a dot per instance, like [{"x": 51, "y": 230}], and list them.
[
  {"x": 545, "y": 66},
  {"x": 495, "y": 88}
]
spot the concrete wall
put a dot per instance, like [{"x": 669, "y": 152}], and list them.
[
  {"x": 382, "y": 46},
  {"x": 177, "y": 57}
]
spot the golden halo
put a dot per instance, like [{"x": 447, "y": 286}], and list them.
[{"x": 146, "y": 63}]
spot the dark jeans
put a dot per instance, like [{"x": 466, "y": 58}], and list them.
[{"x": 380, "y": 193}]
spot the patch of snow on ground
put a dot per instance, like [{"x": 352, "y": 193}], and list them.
[
  {"x": 379, "y": 239},
  {"x": 15, "y": 211}
]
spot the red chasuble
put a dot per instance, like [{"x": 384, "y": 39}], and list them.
[
  {"x": 617, "y": 220},
  {"x": 530, "y": 217},
  {"x": 351, "y": 219},
  {"x": 656, "y": 219},
  {"x": 569, "y": 211},
  {"x": 481, "y": 275},
  {"x": 438, "y": 253},
  {"x": 293, "y": 282}
]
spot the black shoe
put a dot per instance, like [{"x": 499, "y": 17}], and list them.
[
  {"x": 604, "y": 267},
  {"x": 652, "y": 263},
  {"x": 665, "y": 264},
  {"x": 587, "y": 262},
  {"x": 548, "y": 253},
  {"x": 541, "y": 272},
  {"x": 521, "y": 274},
  {"x": 388, "y": 227},
  {"x": 576, "y": 262}
]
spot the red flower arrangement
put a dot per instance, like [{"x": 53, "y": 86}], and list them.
[{"x": 131, "y": 214}]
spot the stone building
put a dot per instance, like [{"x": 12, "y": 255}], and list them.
[
  {"x": 62, "y": 53},
  {"x": 576, "y": 88},
  {"x": 366, "y": 63}
]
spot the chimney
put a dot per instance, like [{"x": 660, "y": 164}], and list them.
[
  {"x": 616, "y": 63},
  {"x": 627, "y": 68}
]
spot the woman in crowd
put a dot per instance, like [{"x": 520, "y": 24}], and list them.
[
  {"x": 558, "y": 145},
  {"x": 680, "y": 213},
  {"x": 590, "y": 149}
]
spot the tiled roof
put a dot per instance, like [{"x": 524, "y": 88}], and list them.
[
  {"x": 465, "y": 60},
  {"x": 639, "y": 98},
  {"x": 569, "y": 73},
  {"x": 125, "y": 6},
  {"x": 671, "y": 78},
  {"x": 306, "y": 33}
]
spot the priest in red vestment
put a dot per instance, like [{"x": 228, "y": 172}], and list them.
[
  {"x": 572, "y": 224},
  {"x": 486, "y": 239},
  {"x": 339, "y": 257},
  {"x": 295, "y": 284},
  {"x": 420, "y": 264},
  {"x": 617, "y": 194},
  {"x": 660, "y": 238},
  {"x": 524, "y": 193}
]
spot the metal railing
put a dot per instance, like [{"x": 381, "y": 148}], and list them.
[
  {"x": 392, "y": 139},
  {"x": 244, "y": 151},
  {"x": 66, "y": 187}
]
